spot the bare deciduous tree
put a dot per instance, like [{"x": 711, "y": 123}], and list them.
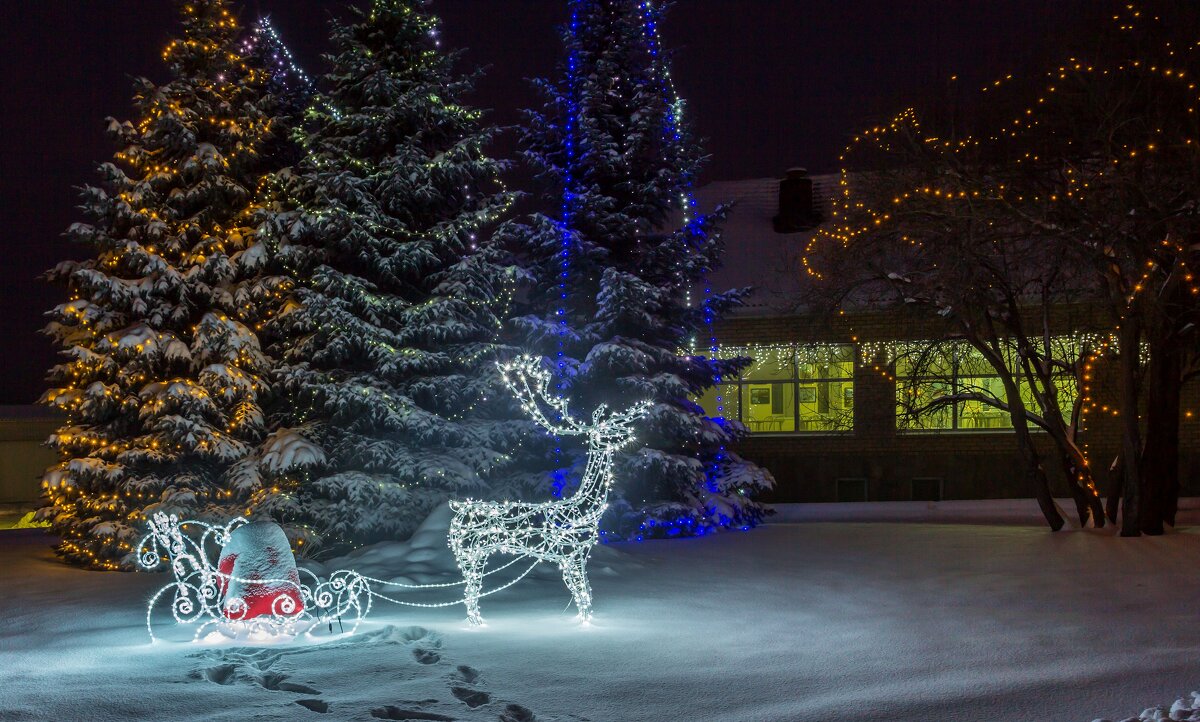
[{"x": 1087, "y": 195}]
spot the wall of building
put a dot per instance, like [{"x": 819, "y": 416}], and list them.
[
  {"x": 23, "y": 457},
  {"x": 874, "y": 460},
  {"x": 877, "y": 462}
]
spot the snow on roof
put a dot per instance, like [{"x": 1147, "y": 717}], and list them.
[
  {"x": 770, "y": 262},
  {"x": 755, "y": 254}
]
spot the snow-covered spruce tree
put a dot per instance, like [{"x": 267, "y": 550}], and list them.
[
  {"x": 620, "y": 275},
  {"x": 386, "y": 339},
  {"x": 289, "y": 89},
  {"x": 161, "y": 380}
]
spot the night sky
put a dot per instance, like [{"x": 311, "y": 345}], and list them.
[{"x": 770, "y": 84}]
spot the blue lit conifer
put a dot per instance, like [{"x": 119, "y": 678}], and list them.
[{"x": 620, "y": 271}]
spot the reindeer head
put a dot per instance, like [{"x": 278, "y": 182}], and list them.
[
  {"x": 615, "y": 428},
  {"x": 529, "y": 382}
]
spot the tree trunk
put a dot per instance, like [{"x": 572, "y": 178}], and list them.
[
  {"x": 1075, "y": 468},
  {"x": 1035, "y": 475},
  {"x": 1160, "y": 454},
  {"x": 1117, "y": 474},
  {"x": 1131, "y": 453},
  {"x": 1083, "y": 489}
]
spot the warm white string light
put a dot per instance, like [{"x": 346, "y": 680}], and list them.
[{"x": 562, "y": 531}]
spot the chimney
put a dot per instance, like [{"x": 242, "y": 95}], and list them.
[{"x": 796, "y": 211}]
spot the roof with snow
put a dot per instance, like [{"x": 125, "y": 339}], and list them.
[{"x": 755, "y": 254}]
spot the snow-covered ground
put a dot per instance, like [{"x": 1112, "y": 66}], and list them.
[{"x": 804, "y": 619}]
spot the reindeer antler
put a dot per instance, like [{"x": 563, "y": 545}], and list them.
[
  {"x": 529, "y": 381},
  {"x": 617, "y": 427}
]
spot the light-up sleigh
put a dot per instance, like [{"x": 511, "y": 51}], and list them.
[{"x": 213, "y": 598}]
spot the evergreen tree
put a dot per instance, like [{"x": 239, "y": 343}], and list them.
[
  {"x": 386, "y": 336},
  {"x": 161, "y": 381},
  {"x": 620, "y": 274},
  {"x": 289, "y": 90}
]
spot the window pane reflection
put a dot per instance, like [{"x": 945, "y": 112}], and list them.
[
  {"x": 770, "y": 406},
  {"x": 913, "y": 404}
]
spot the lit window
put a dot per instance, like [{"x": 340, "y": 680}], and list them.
[
  {"x": 826, "y": 388},
  {"x": 789, "y": 389},
  {"x": 925, "y": 375},
  {"x": 769, "y": 389}
]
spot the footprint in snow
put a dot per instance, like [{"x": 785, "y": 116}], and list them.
[
  {"x": 426, "y": 656},
  {"x": 395, "y": 635},
  {"x": 248, "y": 666},
  {"x": 255, "y": 666},
  {"x": 316, "y": 705},
  {"x": 395, "y": 713},
  {"x": 463, "y": 673},
  {"x": 517, "y": 713},
  {"x": 471, "y": 697}
]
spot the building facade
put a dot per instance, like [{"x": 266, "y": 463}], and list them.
[{"x": 828, "y": 400}]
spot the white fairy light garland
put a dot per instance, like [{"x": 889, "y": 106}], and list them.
[
  {"x": 562, "y": 531},
  {"x": 1066, "y": 346},
  {"x": 346, "y": 596},
  {"x": 283, "y": 56}
]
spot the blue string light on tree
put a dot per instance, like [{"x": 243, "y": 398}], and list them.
[
  {"x": 627, "y": 256},
  {"x": 672, "y": 124},
  {"x": 568, "y": 202}
]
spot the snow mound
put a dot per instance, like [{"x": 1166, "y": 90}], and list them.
[
  {"x": 424, "y": 559},
  {"x": 1184, "y": 710}
]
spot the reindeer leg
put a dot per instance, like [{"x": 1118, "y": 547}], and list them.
[
  {"x": 473, "y": 576},
  {"x": 574, "y": 570}
]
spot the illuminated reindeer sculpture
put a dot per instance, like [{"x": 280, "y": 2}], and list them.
[{"x": 562, "y": 531}]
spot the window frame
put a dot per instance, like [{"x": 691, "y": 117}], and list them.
[
  {"x": 956, "y": 387},
  {"x": 745, "y": 380}
]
